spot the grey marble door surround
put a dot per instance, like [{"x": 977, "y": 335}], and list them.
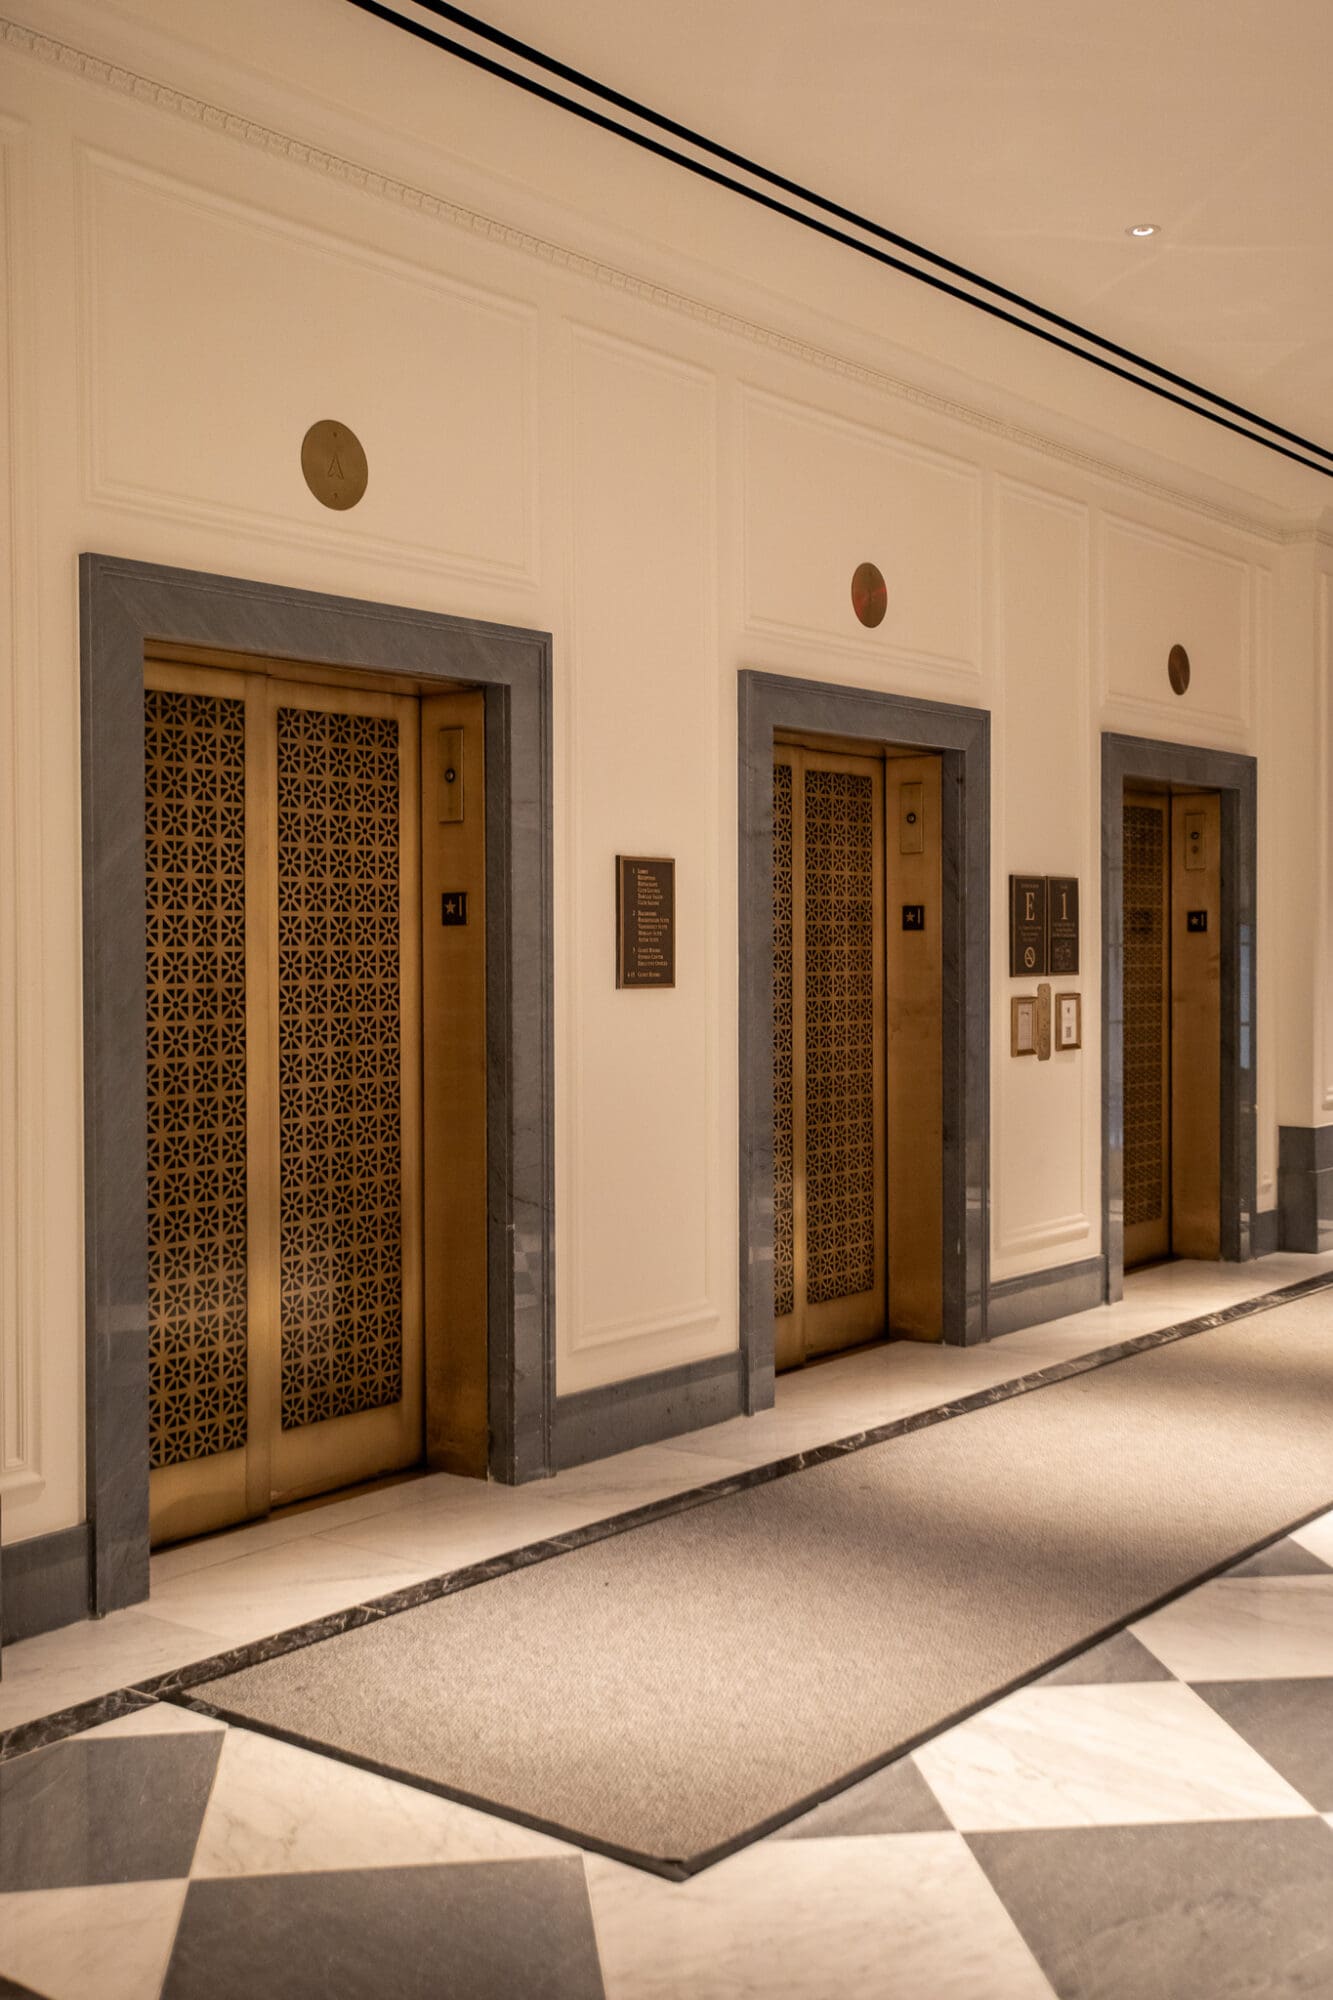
[
  {"x": 772, "y": 702},
  {"x": 1136, "y": 760},
  {"x": 123, "y": 604}
]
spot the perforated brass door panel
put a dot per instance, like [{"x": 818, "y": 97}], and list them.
[
  {"x": 194, "y": 748},
  {"x": 828, "y": 1052},
  {"x": 284, "y": 1090}
]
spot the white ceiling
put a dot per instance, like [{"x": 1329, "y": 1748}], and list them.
[{"x": 1022, "y": 137}]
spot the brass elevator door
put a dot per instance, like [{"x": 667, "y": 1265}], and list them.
[
  {"x": 1172, "y": 1025},
  {"x": 284, "y": 1090}
]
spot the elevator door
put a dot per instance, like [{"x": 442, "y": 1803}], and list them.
[
  {"x": 1172, "y": 1025},
  {"x": 284, "y": 1084}
]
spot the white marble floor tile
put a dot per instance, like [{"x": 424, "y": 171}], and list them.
[
  {"x": 278, "y": 1810},
  {"x": 1317, "y": 1536},
  {"x": 633, "y": 1478},
  {"x": 107, "y": 1943},
  {"x": 294, "y": 1524},
  {"x": 59, "y": 1669},
  {"x": 898, "y": 1917},
  {"x": 1136, "y": 1753},
  {"x": 277, "y": 1587},
  {"x": 1245, "y": 1628},
  {"x": 160, "y": 1718}
]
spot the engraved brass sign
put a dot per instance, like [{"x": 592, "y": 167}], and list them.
[
  {"x": 334, "y": 464},
  {"x": 645, "y": 921},
  {"x": 453, "y": 907},
  {"x": 1027, "y": 925},
  {"x": 1062, "y": 924}
]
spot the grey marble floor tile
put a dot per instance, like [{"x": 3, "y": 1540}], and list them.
[
  {"x": 1119, "y": 1658},
  {"x": 487, "y": 1931},
  {"x": 114, "y": 1810},
  {"x": 1226, "y": 1911},
  {"x": 1290, "y": 1724},
  {"x": 1284, "y": 1558},
  {"x": 894, "y": 1800}
]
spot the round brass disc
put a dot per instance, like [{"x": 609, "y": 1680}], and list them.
[
  {"x": 1178, "y": 668},
  {"x": 870, "y": 593},
  {"x": 334, "y": 464}
]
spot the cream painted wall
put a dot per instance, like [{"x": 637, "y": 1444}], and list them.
[{"x": 676, "y": 479}]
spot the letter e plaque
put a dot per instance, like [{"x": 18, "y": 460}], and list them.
[
  {"x": 645, "y": 921},
  {"x": 1027, "y": 926}
]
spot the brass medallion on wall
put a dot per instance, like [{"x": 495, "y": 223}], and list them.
[
  {"x": 1178, "y": 669},
  {"x": 334, "y": 464},
  {"x": 870, "y": 594}
]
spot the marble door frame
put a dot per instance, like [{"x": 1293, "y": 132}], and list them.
[
  {"x": 122, "y": 605},
  {"x": 1131, "y": 759},
  {"x": 771, "y": 702}
]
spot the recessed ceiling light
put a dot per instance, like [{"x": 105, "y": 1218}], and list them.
[{"x": 1144, "y": 229}]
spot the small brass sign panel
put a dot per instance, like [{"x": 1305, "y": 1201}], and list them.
[
  {"x": 1062, "y": 924},
  {"x": 1068, "y": 1020},
  {"x": 453, "y": 907},
  {"x": 1196, "y": 920},
  {"x": 1027, "y": 925},
  {"x": 1023, "y": 1024},
  {"x": 645, "y": 920},
  {"x": 334, "y": 464},
  {"x": 914, "y": 916}
]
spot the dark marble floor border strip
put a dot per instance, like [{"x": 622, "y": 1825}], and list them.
[{"x": 179, "y": 1683}]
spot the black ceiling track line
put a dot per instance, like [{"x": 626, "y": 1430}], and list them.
[
  {"x": 1265, "y": 435},
  {"x": 444, "y": 10}
]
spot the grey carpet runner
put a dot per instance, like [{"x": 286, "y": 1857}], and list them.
[{"x": 673, "y": 1691}]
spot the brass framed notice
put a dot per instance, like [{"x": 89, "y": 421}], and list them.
[
  {"x": 1062, "y": 925},
  {"x": 1068, "y": 1020},
  {"x": 645, "y": 920},
  {"x": 1023, "y": 1025},
  {"x": 1027, "y": 926}
]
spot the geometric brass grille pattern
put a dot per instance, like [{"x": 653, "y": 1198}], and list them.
[
  {"x": 784, "y": 1264},
  {"x": 1145, "y": 979},
  {"x": 194, "y": 795},
  {"x": 839, "y": 1034},
  {"x": 339, "y": 1064}
]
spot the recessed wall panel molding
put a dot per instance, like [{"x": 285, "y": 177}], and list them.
[
  {"x": 1323, "y": 674},
  {"x": 1045, "y": 1117},
  {"x": 22, "y": 1149},
  {"x": 1158, "y": 590},
  {"x": 649, "y": 1210},
  {"x": 821, "y": 495},
  {"x": 181, "y": 286}
]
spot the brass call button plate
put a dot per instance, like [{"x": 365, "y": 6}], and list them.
[{"x": 334, "y": 464}]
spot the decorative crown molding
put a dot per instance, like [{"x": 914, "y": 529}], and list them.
[{"x": 333, "y": 166}]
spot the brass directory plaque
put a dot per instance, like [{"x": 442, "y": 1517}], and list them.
[
  {"x": 1027, "y": 925},
  {"x": 645, "y": 921}
]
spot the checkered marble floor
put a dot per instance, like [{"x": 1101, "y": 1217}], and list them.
[{"x": 1151, "y": 1821}]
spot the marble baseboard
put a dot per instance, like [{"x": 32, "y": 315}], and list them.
[
  {"x": 1305, "y": 1187},
  {"x": 1266, "y": 1232},
  {"x": 46, "y": 1583},
  {"x": 1038, "y": 1296},
  {"x": 597, "y": 1423}
]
